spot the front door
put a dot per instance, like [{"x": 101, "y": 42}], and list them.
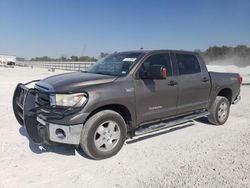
[{"x": 156, "y": 99}]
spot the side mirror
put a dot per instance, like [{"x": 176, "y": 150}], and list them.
[{"x": 157, "y": 72}]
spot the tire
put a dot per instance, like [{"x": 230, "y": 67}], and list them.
[
  {"x": 103, "y": 135},
  {"x": 219, "y": 111}
]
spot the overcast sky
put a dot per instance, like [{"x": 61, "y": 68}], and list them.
[{"x": 30, "y": 28}]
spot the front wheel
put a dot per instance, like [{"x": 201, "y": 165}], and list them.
[
  {"x": 219, "y": 111},
  {"x": 103, "y": 134}
]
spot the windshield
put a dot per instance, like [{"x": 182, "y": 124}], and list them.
[{"x": 117, "y": 64}]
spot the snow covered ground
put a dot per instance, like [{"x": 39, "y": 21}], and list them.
[{"x": 195, "y": 154}]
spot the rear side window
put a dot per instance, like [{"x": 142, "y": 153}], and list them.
[
  {"x": 158, "y": 59},
  {"x": 187, "y": 64}
]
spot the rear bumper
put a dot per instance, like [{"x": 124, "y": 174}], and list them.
[{"x": 69, "y": 134}]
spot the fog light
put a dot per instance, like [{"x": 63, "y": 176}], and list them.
[{"x": 60, "y": 133}]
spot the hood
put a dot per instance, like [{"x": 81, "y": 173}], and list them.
[{"x": 71, "y": 82}]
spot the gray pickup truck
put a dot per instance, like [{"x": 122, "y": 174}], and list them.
[{"x": 124, "y": 95}]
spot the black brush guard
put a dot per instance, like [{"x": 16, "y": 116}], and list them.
[
  {"x": 23, "y": 106},
  {"x": 26, "y": 112}
]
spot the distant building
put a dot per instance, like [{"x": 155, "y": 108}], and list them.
[{"x": 7, "y": 59}]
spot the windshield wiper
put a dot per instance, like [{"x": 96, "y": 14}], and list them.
[{"x": 104, "y": 73}]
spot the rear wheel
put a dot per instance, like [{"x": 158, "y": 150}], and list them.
[
  {"x": 219, "y": 111},
  {"x": 103, "y": 135}
]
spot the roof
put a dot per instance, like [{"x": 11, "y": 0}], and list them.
[{"x": 155, "y": 51}]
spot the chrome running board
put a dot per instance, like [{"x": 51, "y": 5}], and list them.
[{"x": 164, "y": 125}]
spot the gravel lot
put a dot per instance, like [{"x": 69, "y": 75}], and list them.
[{"x": 194, "y": 154}]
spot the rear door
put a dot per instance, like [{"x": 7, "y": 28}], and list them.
[
  {"x": 193, "y": 81},
  {"x": 156, "y": 99}
]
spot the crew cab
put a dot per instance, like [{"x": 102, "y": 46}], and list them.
[{"x": 124, "y": 95}]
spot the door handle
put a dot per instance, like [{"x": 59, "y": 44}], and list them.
[
  {"x": 172, "y": 83},
  {"x": 205, "y": 79}
]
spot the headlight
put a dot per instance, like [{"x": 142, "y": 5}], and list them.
[{"x": 69, "y": 100}]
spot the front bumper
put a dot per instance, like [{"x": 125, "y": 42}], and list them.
[
  {"x": 69, "y": 134},
  {"x": 46, "y": 125}
]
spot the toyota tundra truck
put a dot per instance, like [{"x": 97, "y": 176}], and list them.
[{"x": 123, "y": 96}]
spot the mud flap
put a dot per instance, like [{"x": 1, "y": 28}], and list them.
[{"x": 23, "y": 106}]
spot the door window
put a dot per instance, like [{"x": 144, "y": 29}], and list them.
[
  {"x": 158, "y": 59},
  {"x": 187, "y": 64}
]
